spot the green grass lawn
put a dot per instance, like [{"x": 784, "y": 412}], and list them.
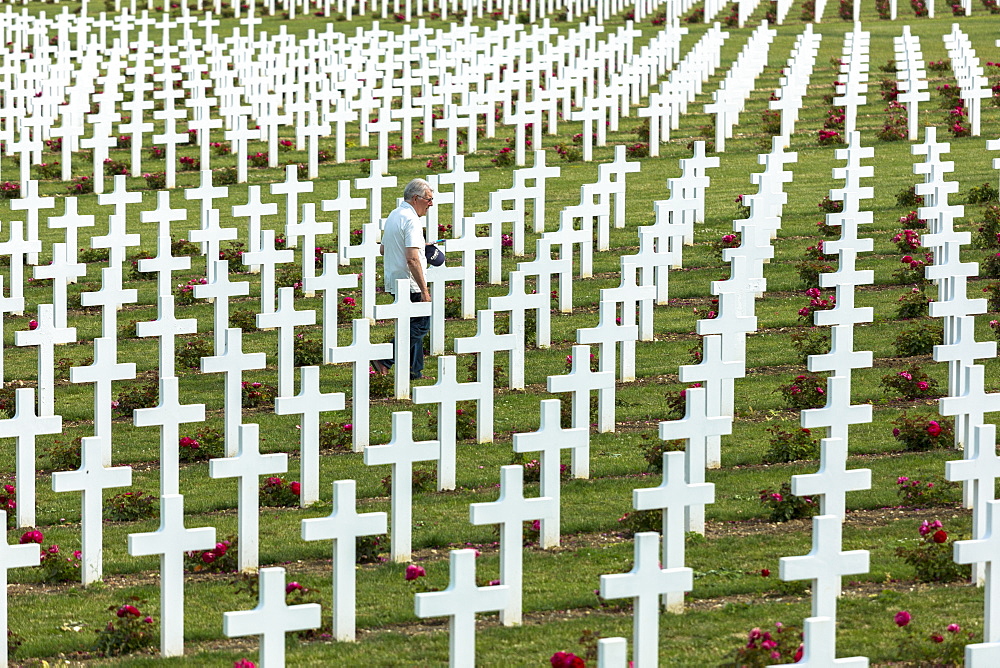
[{"x": 57, "y": 622}]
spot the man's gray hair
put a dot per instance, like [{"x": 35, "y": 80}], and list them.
[{"x": 416, "y": 188}]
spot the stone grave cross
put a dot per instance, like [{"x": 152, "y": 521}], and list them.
[
  {"x": 291, "y": 188},
  {"x": 360, "y": 354},
  {"x": 329, "y": 283},
  {"x": 272, "y": 619},
  {"x": 511, "y": 511},
  {"x": 165, "y": 263},
  {"x": 254, "y": 210},
  {"x": 233, "y": 362},
  {"x": 169, "y": 414},
  {"x": 46, "y": 336},
  {"x": 401, "y": 311},
  {"x": 24, "y": 426},
  {"x": 344, "y": 204},
  {"x": 485, "y": 344},
  {"x": 581, "y": 381},
  {"x": 101, "y": 372},
  {"x": 266, "y": 258},
  {"x": 13, "y": 556},
  {"x": 401, "y": 453},
  {"x": 285, "y": 319},
  {"x": 824, "y": 565},
  {"x": 446, "y": 393},
  {"x": 675, "y": 497},
  {"x": 171, "y": 541},
  {"x": 32, "y": 202},
  {"x": 644, "y": 584},
  {"x": 368, "y": 251},
  {"x": 71, "y": 221},
  {"x": 460, "y": 602},
  {"x": 248, "y": 465},
  {"x": 550, "y": 440},
  {"x": 220, "y": 290},
  {"x": 92, "y": 478},
  {"x": 309, "y": 403},
  {"x": 344, "y": 525}
]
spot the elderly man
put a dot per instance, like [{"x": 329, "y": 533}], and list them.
[{"x": 402, "y": 248}]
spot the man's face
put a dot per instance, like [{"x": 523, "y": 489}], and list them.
[{"x": 421, "y": 203}]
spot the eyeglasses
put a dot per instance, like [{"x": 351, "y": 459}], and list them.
[{"x": 429, "y": 200}]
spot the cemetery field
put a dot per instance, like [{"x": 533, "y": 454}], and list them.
[{"x": 735, "y": 564}]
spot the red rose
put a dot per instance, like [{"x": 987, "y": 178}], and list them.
[{"x": 940, "y": 536}]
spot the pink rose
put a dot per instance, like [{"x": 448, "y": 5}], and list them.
[{"x": 413, "y": 572}]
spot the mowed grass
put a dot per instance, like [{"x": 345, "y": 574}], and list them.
[{"x": 730, "y": 595}]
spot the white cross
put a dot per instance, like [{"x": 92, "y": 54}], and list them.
[
  {"x": 376, "y": 182},
  {"x": 46, "y": 336},
  {"x": 220, "y": 290},
  {"x": 401, "y": 453},
  {"x": 401, "y": 310},
  {"x": 272, "y": 618},
  {"x": 368, "y": 251},
  {"x": 291, "y": 188},
  {"x": 31, "y": 202},
  {"x": 446, "y": 393},
  {"x": 344, "y": 525},
  {"x": 460, "y": 602},
  {"x": 24, "y": 426},
  {"x": 206, "y": 194},
  {"x": 169, "y": 414},
  {"x": 550, "y": 440},
  {"x": 819, "y": 641},
  {"x": 309, "y": 229},
  {"x": 360, "y": 353},
  {"x": 285, "y": 320},
  {"x": 485, "y": 344},
  {"x": 111, "y": 297},
  {"x": 517, "y": 302},
  {"x": 309, "y": 403},
  {"x": 171, "y": 541},
  {"x": 164, "y": 264},
  {"x": 240, "y": 136},
  {"x": 210, "y": 237},
  {"x": 581, "y": 381},
  {"x": 698, "y": 428},
  {"x": 72, "y": 222},
  {"x": 511, "y": 511},
  {"x": 254, "y": 210},
  {"x": 344, "y": 204},
  {"x": 13, "y": 556},
  {"x": 92, "y": 478},
  {"x": 329, "y": 283},
  {"x": 265, "y": 259},
  {"x": 101, "y": 372},
  {"x": 644, "y": 584},
  {"x": 608, "y": 335},
  {"x": 248, "y": 465},
  {"x": 833, "y": 480},
  {"x": 233, "y": 362},
  {"x": 674, "y": 496},
  {"x": 825, "y": 564},
  {"x": 985, "y": 550},
  {"x": 17, "y": 248}
]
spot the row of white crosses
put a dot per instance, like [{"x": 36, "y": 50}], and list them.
[
  {"x": 853, "y": 80},
  {"x": 795, "y": 80},
  {"x": 974, "y": 86},
  {"x": 912, "y": 78},
  {"x": 684, "y": 83},
  {"x": 967, "y": 400},
  {"x": 826, "y": 563},
  {"x": 730, "y": 98}
]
